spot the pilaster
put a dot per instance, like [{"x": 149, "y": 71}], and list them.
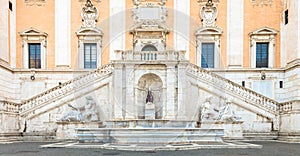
[
  {"x": 118, "y": 91},
  {"x": 171, "y": 92},
  {"x": 129, "y": 95},
  {"x": 63, "y": 33}
]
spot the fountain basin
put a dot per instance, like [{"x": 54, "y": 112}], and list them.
[{"x": 149, "y": 135}]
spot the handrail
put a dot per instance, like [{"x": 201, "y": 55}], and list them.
[
  {"x": 9, "y": 107},
  {"x": 247, "y": 94},
  {"x": 62, "y": 89}
]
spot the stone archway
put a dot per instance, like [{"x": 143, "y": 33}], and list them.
[{"x": 153, "y": 83}]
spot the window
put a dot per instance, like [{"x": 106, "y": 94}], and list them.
[
  {"x": 34, "y": 50},
  {"x": 280, "y": 84},
  {"x": 262, "y": 55},
  {"x": 10, "y": 6},
  {"x": 286, "y": 16},
  {"x": 90, "y": 55},
  {"x": 207, "y": 56}
]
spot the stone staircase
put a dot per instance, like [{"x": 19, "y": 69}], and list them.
[
  {"x": 258, "y": 103},
  {"x": 10, "y": 137},
  {"x": 67, "y": 88}
]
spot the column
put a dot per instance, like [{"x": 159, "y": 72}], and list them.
[
  {"x": 62, "y": 33},
  {"x": 235, "y": 35}
]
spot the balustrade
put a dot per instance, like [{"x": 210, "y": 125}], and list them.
[{"x": 9, "y": 107}]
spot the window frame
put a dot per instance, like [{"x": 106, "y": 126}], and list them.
[
  {"x": 261, "y": 35},
  {"x": 88, "y": 36},
  {"x": 209, "y": 35},
  {"x": 33, "y": 36}
]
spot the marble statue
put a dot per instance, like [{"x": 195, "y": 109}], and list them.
[
  {"x": 209, "y": 112},
  {"x": 84, "y": 113},
  {"x": 227, "y": 113}
]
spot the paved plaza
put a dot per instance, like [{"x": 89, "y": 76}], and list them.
[{"x": 270, "y": 148}]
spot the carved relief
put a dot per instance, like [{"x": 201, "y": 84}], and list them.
[
  {"x": 208, "y": 14},
  {"x": 89, "y": 15},
  {"x": 35, "y": 2},
  {"x": 261, "y": 3},
  {"x": 204, "y": 1},
  {"x": 149, "y": 2}
]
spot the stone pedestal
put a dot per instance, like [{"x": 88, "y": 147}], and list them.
[
  {"x": 149, "y": 111},
  {"x": 67, "y": 130},
  {"x": 232, "y": 130}
]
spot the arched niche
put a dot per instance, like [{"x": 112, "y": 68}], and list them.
[
  {"x": 149, "y": 48},
  {"x": 153, "y": 83}
]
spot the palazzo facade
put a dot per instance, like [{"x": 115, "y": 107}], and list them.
[{"x": 57, "y": 53}]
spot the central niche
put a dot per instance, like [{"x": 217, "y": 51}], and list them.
[{"x": 149, "y": 83}]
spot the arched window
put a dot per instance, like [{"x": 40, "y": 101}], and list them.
[{"x": 149, "y": 48}]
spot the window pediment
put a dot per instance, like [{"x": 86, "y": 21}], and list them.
[
  {"x": 264, "y": 31},
  {"x": 209, "y": 31},
  {"x": 33, "y": 32},
  {"x": 89, "y": 32}
]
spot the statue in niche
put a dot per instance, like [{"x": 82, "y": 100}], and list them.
[
  {"x": 84, "y": 113},
  {"x": 89, "y": 15},
  {"x": 149, "y": 98},
  {"x": 208, "y": 14}
]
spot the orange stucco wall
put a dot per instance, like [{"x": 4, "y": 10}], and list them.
[
  {"x": 129, "y": 23},
  {"x": 103, "y": 23},
  {"x": 43, "y": 18},
  {"x": 39, "y": 17},
  {"x": 256, "y": 17},
  {"x": 195, "y": 23},
  {"x": 170, "y": 24}
]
